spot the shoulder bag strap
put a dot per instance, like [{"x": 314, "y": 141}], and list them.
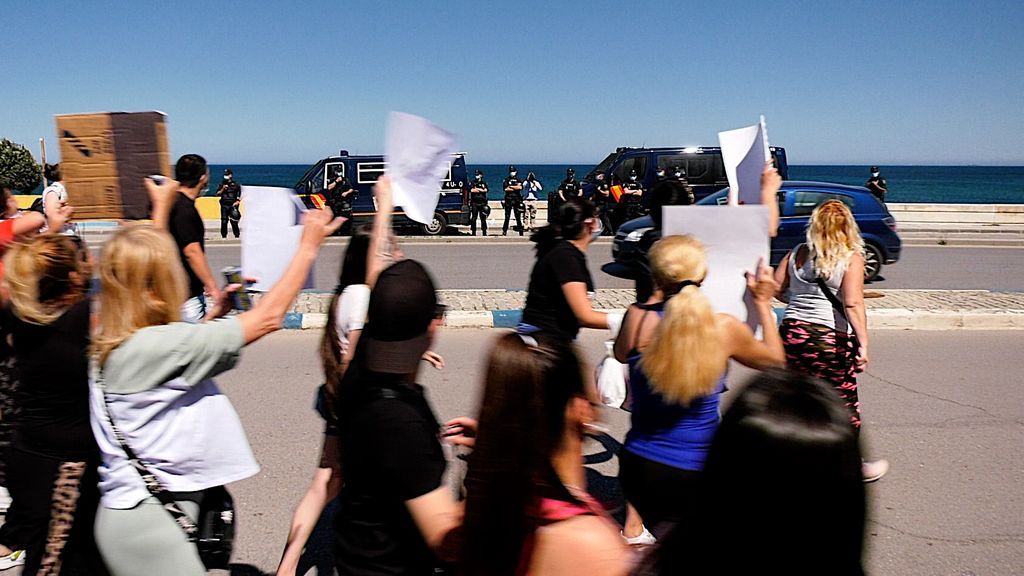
[
  {"x": 151, "y": 481},
  {"x": 832, "y": 298}
]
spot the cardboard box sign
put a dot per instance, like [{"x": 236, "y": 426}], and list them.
[{"x": 104, "y": 158}]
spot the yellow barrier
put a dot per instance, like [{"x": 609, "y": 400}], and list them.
[{"x": 208, "y": 206}]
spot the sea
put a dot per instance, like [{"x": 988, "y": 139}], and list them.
[{"x": 927, "y": 184}]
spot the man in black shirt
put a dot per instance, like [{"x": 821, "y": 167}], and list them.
[
  {"x": 513, "y": 202},
  {"x": 186, "y": 226},
  {"x": 230, "y": 194},
  {"x": 395, "y": 515},
  {"x": 478, "y": 207},
  {"x": 876, "y": 184}
]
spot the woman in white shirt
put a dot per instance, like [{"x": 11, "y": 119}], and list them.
[{"x": 153, "y": 380}]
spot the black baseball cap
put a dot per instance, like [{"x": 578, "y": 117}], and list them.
[
  {"x": 874, "y": 168},
  {"x": 403, "y": 303}
]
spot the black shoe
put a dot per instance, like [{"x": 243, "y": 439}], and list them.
[{"x": 505, "y": 233}]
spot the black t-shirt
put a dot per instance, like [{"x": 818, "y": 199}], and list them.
[
  {"x": 230, "y": 193},
  {"x": 512, "y": 195},
  {"x": 390, "y": 454},
  {"x": 478, "y": 197},
  {"x": 53, "y": 394},
  {"x": 186, "y": 226},
  {"x": 570, "y": 188},
  {"x": 341, "y": 195},
  {"x": 877, "y": 186},
  {"x": 546, "y": 306}
]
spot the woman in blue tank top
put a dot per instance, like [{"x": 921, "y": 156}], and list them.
[{"x": 678, "y": 348}]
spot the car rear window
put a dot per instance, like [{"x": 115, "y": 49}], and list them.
[{"x": 804, "y": 201}]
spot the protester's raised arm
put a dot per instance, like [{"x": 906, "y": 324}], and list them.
[
  {"x": 161, "y": 198},
  {"x": 268, "y": 314},
  {"x": 771, "y": 183},
  {"x": 380, "y": 238}
]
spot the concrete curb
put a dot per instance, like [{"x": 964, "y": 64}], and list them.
[{"x": 878, "y": 319}]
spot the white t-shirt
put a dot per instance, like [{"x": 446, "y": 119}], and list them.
[{"x": 350, "y": 312}]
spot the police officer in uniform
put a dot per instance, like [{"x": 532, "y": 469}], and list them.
[
  {"x": 478, "y": 207},
  {"x": 230, "y": 194},
  {"x": 340, "y": 195},
  {"x": 679, "y": 175},
  {"x": 876, "y": 184},
  {"x": 513, "y": 203},
  {"x": 566, "y": 189},
  {"x": 633, "y": 196}
]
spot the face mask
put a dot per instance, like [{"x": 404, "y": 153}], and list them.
[
  {"x": 596, "y": 229},
  {"x": 227, "y": 176},
  {"x": 875, "y": 174},
  {"x": 479, "y": 178},
  {"x": 661, "y": 174},
  {"x": 632, "y": 178},
  {"x": 512, "y": 174}
]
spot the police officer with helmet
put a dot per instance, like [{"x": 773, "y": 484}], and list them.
[
  {"x": 478, "y": 207},
  {"x": 567, "y": 188},
  {"x": 632, "y": 196},
  {"x": 513, "y": 202},
  {"x": 230, "y": 194}
]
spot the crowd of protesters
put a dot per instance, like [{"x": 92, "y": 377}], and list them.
[{"x": 115, "y": 435}]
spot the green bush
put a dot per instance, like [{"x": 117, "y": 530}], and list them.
[{"x": 17, "y": 167}]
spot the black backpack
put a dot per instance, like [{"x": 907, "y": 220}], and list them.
[{"x": 37, "y": 206}]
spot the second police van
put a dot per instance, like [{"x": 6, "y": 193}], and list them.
[
  {"x": 362, "y": 172},
  {"x": 705, "y": 171}
]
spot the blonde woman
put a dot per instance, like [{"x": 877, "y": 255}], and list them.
[
  {"x": 825, "y": 328},
  {"x": 153, "y": 380},
  {"x": 677, "y": 348}
]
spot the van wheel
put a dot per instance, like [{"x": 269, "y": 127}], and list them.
[
  {"x": 872, "y": 262},
  {"x": 437, "y": 225}
]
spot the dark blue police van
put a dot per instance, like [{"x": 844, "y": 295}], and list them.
[
  {"x": 362, "y": 172},
  {"x": 705, "y": 171}
]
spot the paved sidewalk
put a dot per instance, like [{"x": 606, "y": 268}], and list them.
[{"x": 893, "y": 309}]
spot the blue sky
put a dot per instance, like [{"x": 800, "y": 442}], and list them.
[{"x": 290, "y": 82}]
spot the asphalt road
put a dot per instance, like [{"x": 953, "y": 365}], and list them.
[
  {"x": 953, "y": 502},
  {"x": 476, "y": 265}
]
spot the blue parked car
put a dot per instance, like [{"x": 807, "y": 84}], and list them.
[{"x": 797, "y": 200}]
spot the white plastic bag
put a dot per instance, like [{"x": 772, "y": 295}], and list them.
[{"x": 611, "y": 379}]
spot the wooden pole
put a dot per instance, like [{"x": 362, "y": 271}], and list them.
[{"x": 42, "y": 146}]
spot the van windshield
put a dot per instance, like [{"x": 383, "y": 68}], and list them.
[
  {"x": 312, "y": 174},
  {"x": 601, "y": 168}
]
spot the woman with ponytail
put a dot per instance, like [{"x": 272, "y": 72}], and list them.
[
  {"x": 558, "y": 297},
  {"x": 677, "y": 348},
  {"x": 825, "y": 328}
]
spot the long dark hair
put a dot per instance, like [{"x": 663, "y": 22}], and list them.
[
  {"x": 522, "y": 419},
  {"x": 353, "y": 271},
  {"x": 783, "y": 476},
  {"x": 567, "y": 223}
]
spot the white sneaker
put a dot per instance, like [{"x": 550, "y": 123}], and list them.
[
  {"x": 874, "y": 470},
  {"x": 16, "y": 558},
  {"x": 645, "y": 538},
  {"x": 5, "y": 500}
]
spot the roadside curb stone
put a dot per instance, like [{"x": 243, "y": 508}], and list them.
[{"x": 893, "y": 310}]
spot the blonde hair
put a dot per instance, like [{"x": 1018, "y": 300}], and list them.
[
  {"x": 45, "y": 276},
  {"x": 684, "y": 359},
  {"x": 832, "y": 237},
  {"x": 142, "y": 283}
]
